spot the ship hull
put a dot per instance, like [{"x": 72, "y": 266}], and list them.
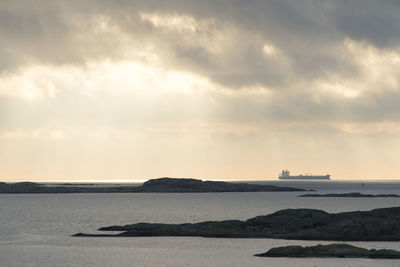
[{"x": 305, "y": 177}]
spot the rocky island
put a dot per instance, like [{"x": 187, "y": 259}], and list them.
[
  {"x": 301, "y": 224},
  {"x": 330, "y": 251},
  {"x": 161, "y": 185},
  {"x": 193, "y": 185},
  {"x": 353, "y": 194}
]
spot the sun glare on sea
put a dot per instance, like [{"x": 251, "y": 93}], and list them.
[{"x": 96, "y": 181}]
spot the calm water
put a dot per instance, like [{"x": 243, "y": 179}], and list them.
[{"x": 35, "y": 229}]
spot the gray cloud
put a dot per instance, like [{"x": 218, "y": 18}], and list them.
[
  {"x": 308, "y": 32},
  {"x": 287, "y": 108},
  {"x": 309, "y": 35},
  {"x": 375, "y": 23}
]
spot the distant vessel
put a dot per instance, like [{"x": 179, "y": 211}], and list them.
[{"x": 285, "y": 175}]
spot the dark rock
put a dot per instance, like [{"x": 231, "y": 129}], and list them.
[
  {"x": 193, "y": 185},
  {"x": 331, "y": 251},
  {"x": 90, "y": 235},
  {"x": 353, "y": 194},
  {"x": 302, "y": 224}
]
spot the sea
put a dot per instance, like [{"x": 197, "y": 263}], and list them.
[{"x": 37, "y": 229}]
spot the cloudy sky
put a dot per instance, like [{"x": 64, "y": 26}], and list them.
[{"x": 227, "y": 89}]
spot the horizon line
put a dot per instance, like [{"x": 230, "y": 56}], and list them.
[{"x": 127, "y": 181}]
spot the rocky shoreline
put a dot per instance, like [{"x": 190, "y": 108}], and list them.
[
  {"x": 300, "y": 224},
  {"x": 160, "y": 185},
  {"x": 330, "y": 251}
]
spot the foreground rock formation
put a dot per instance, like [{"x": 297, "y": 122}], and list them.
[
  {"x": 167, "y": 185},
  {"x": 302, "y": 224},
  {"x": 353, "y": 194},
  {"x": 330, "y": 251}
]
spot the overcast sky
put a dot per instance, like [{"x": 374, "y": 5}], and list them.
[{"x": 98, "y": 89}]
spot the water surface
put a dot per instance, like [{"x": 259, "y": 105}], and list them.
[{"x": 35, "y": 228}]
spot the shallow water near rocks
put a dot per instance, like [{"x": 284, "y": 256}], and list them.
[{"x": 35, "y": 228}]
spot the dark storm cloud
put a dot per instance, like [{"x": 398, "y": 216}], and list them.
[
  {"x": 370, "y": 21},
  {"x": 308, "y": 32},
  {"x": 308, "y": 35}
]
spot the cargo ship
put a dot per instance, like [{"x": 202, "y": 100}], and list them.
[{"x": 285, "y": 175}]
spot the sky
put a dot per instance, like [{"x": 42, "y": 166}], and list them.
[{"x": 216, "y": 90}]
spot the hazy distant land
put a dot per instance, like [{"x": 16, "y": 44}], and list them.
[
  {"x": 300, "y": 224},
  {"x": 161, "y": 185}
]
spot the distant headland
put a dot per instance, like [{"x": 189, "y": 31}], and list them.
[{"x": 160, "y": 185}]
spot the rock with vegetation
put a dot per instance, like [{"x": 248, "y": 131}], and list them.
[
  {"x": 301, "y": 224},
  {"x": 353, "y": 194},
  {"x": 330, "y": 251},
  {"x": 164, "y": 185}
]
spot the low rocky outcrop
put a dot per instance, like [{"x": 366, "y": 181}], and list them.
[
  {"x": 331, "y": 251},
  {"x": 301, "y": 224},
  {"x": 193, "y": 185},
  {"x": 353, "y": 194},
  {"x": 34, "y": 188},
  {"x": 161, "y": 185},
  {"x": 19, "y": 187}
]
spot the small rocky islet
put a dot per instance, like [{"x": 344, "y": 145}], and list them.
[
  {"x": 351, "y": 195},
  {"x": 160, "y": 185},
  {"x": 330, "y": 251},
  {"x": 298, "y": 224}
]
